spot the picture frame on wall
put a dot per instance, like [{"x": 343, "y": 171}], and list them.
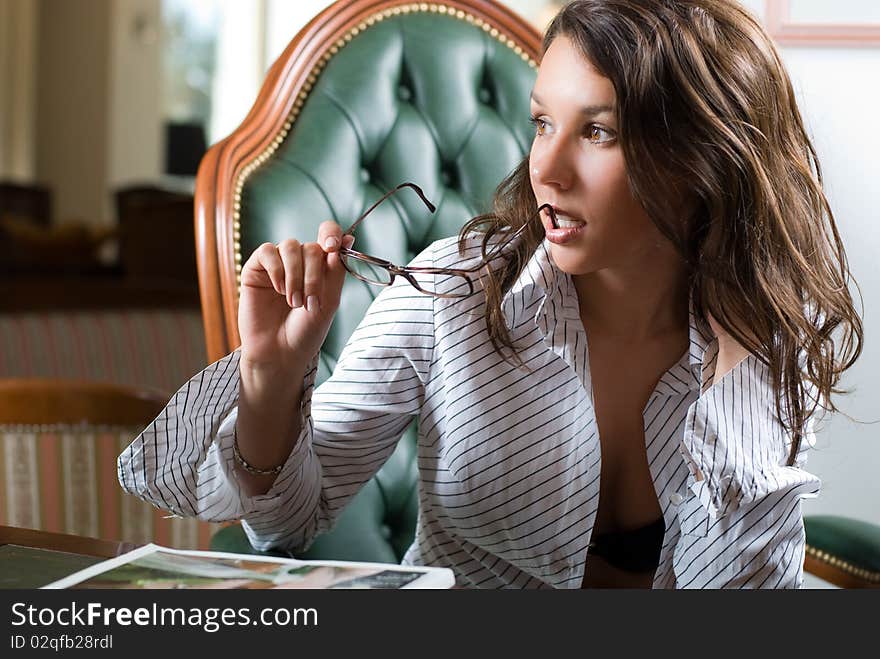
[{"x": 823, "y": 23}]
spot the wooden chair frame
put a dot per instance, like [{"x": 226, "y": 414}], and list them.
[
  {"x": 36, "y": 401},
  {"x": 841, "y": 575},
  {"x": 50, "y": 410}
]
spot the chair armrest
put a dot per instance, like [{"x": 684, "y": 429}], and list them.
[
  {"x": 232, "y": 539},
  {"x": 843, "y": 551},
  {"x": 362, "y": 533}
]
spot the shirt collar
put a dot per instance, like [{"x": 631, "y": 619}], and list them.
[
  {"x": 703, "y": 349},
  {"x": 544, "y": 294},
  {"x": 539, "y": 280}
]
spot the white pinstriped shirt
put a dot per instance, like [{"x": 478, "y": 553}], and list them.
[{"x": 509, "y": 461}]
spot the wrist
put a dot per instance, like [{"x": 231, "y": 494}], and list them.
[
  {"x": 272, "y": 380},
  {"x": 247, "y": 466}
]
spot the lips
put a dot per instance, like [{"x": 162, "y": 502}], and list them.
[{"x": 563, "y": 226}]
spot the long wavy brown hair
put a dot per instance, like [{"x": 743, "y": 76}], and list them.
[{"x": 709, "y": 122}]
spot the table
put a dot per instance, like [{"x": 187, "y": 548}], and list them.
[{"x": 31, "y": 558}]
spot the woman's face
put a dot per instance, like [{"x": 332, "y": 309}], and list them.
[{"x": 577, "y": 166}]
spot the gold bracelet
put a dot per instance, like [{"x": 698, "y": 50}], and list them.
[{"x": 249, "y": 468}]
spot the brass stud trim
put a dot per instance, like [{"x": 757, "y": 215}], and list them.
[
  {"x": 312, "y": 78},
  {"x": 844, "y": 566}
]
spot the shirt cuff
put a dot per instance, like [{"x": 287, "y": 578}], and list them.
[{"x": 223, "y": 453}]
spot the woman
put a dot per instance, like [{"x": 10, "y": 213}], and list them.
[{"x": 623, "y": 402}]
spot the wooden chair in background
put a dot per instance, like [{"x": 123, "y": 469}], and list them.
[
  {"x": 59, "y": 440},
  {"x": 29, "y": 202},
  {"x": 156, "y": 235}
]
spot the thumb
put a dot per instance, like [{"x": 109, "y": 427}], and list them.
[{"x": 335, "y": 278}]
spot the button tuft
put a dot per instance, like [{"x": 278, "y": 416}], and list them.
[{"x": 404, "y": 93}]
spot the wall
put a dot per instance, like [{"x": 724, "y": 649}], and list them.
[
  {"x": 840, "y": 107},
  {"x": 135, "y": 143},
  {"x": 838, "y": 98},
  {"x": 240, "y": 65},
  {"x": 98, "y": 103},
  {"x": 72, "y": 109},
  {"x": 18, "y": 56}
]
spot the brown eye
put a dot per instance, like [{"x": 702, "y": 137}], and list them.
[
  {"x": 599, "y": 135},
  {"x": 540, "y": 126}
]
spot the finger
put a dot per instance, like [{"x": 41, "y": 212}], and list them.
[
  {"x": 330, "y": 236},
  {"x": 313, "y": 275},
  {"x": 266, "y": 259},
  {"x": 333, "y": 281},
  {"x": 292, "y": 259}
]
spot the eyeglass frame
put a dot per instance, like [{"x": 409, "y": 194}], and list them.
[{"x": 407, "y": 271}]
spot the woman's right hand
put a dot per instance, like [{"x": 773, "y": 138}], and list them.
[{"x": 289, "y": 295}]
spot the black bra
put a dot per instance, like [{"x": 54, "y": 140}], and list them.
[{"x": 633, "y": 551}]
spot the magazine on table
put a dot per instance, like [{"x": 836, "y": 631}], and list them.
[{"x": 156, "y": 567}]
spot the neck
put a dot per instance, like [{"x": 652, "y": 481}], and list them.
[{"x": 635, "y": 303}]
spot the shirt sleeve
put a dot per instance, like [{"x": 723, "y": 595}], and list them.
[
  {"x": 183, "y": 462},
  {"x": 741, "y": 522}
]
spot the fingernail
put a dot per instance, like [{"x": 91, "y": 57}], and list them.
[
  {"x": 297, "y": 299},
  {"x": 331, "y": 243},
  {"x": 312, "y": 304},
  {"x": 347, "y": 241}
]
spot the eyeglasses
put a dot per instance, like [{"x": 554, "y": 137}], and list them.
[{"x": 380, "y": 272}]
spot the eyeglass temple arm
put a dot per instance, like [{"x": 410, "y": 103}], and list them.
[
  {"x": 551, "y": 212},
  {"x": 417, "y": 190}
]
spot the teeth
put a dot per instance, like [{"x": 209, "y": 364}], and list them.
[{"x": 567, "y": 222}]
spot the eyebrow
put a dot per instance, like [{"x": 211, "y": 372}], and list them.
[{"x": 588, "y": 110}]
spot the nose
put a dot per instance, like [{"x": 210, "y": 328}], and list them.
[{"x": 551, "y": 164}]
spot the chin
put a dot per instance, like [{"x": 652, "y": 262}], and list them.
[{"x": 572, "y": 262}]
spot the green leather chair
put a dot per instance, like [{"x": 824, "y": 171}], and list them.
[{"x": 368, "y": 95}]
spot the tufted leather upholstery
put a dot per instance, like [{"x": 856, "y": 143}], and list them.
[
  {"x": 421, "y": 96},
  {"x": 440, "y": 103}
]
